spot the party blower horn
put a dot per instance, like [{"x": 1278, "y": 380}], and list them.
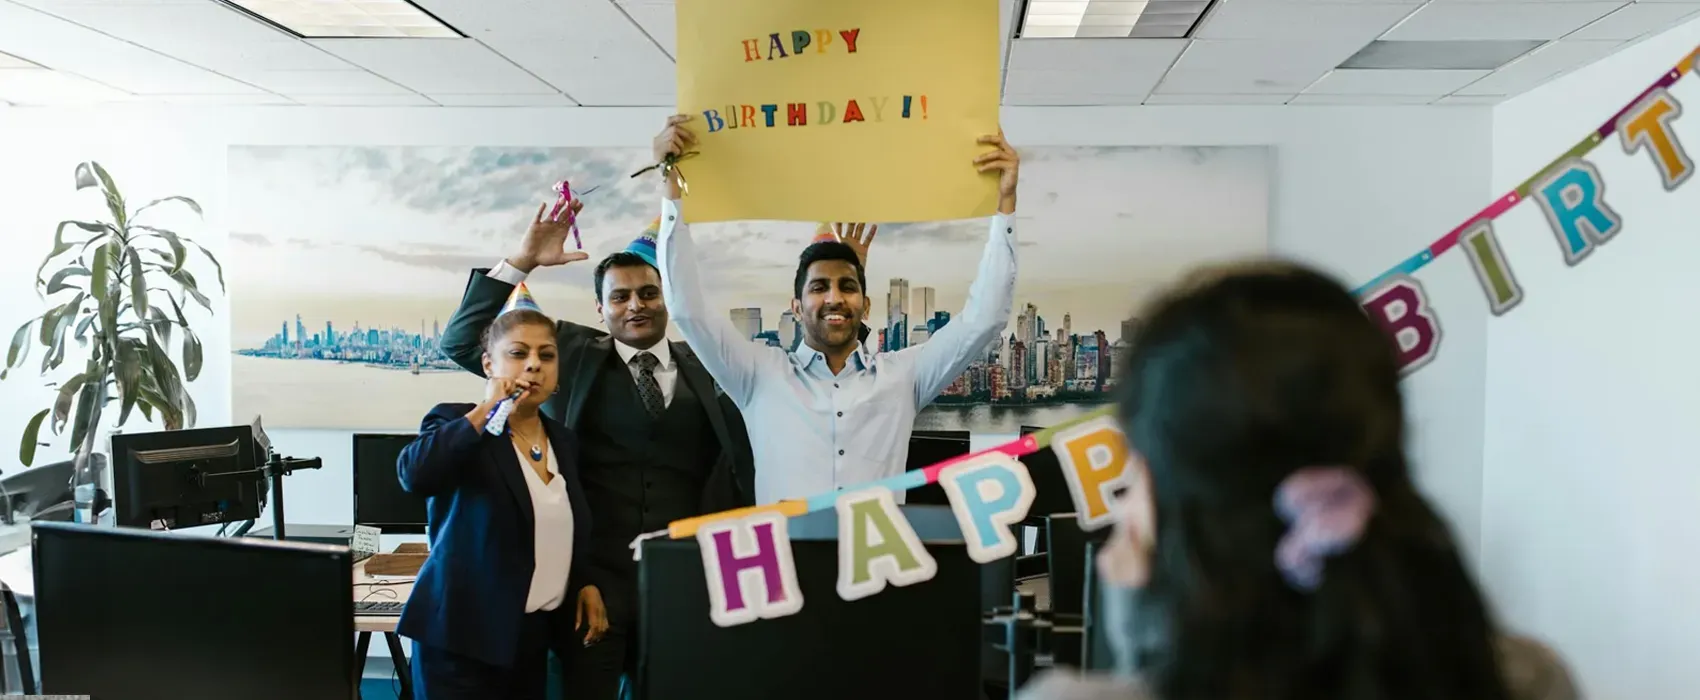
[
  {"x": 564, "y": 196},
  {"x": 497, "y": 420}
]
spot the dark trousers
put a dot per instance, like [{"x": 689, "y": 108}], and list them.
[
  {"x": 594, "y": 672},
  {"x": 445, "y": 675}
]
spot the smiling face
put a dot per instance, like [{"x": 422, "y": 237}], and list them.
[
  {"x": 631, "y": 304},
  {"x": 831, "y": 305}
]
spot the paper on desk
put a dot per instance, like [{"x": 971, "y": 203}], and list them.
[{"x": 18, "y": 572}]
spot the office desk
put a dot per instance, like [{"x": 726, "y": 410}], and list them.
[{"x": 368, "y": 587}]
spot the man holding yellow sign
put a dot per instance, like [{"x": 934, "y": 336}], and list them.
[{"x": 832, "y": 414}]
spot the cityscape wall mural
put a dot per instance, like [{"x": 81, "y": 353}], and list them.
[{"x": 348, "y": 261}]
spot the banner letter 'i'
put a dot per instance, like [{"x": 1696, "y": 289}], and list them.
[
  {"x": 1401, "y": 308},
  {"x": 1492, "y": 269},
  {"x": 1648, "y": 126}
]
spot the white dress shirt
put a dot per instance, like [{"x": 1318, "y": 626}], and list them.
[
  {"x": 553, "y": 536},
  {"x": 666, "y": 373},
  {"x": 814, "y": 431}
]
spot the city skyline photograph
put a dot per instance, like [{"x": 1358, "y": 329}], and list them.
[{"x": 371, "y": 247}]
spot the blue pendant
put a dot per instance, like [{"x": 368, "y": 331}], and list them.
[{"x": 536, "y": 453}]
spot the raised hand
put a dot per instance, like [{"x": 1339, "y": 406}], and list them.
[
  {"x": 545, "y": 243},
  {"x": 1007, "y": 163},
  {"x": 858, "y": 237},
  {"x": 674, "y": 139}
]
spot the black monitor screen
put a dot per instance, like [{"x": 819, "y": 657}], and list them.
[
  {"x": 378, "y": 498},
  {"x": 1051, "y": 495},
  {"x": 929, "y": 447},
  {"x": 125, "y": 614},
  {"x": 917, "y": 642},
  {"x": 182, "y": 478}
]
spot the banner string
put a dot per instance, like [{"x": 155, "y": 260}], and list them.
[
  {"x": 915, "y": 478},
  {"x": 1510, "y": 199}
]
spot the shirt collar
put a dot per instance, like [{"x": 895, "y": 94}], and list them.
[
  {"x": 662, "y": 351},
  {"x": 862, "y": 358}
]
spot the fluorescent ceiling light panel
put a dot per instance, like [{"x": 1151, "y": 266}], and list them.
[
  {"x": 340, "y": 19},
  {"x": 1164, "y": 19},
  {"x": 1439, "y": 55}
]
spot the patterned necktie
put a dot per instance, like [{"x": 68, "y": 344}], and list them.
[{"x": 648, "y": 389}]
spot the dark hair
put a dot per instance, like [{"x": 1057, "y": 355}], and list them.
[
  {"x": 505, "y": 324},
  {"x": 624, "y": 258},
  {"x": 828, "y": 251},
  {"x": 1239, "y": 377}
]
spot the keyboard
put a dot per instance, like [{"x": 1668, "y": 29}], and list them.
[{"x": 377, "y": 608}]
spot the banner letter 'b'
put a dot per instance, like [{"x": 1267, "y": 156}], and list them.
[{"x": 1402, "y": 310}]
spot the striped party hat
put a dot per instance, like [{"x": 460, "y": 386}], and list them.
[
  {"x": 644, "y": 245},
  {"x": 824, "y": 234},
  {"x": 521, "y": 299}
]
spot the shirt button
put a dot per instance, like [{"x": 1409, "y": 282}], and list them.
[
  {"x": 840, "y": 414},
  {"x": 1007, "y": 230},
  {"x": 835, "y": 385},
  {"x": 841, "y": 453}
]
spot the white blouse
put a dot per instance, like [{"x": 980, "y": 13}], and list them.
[{"x": 553, "y": 537}]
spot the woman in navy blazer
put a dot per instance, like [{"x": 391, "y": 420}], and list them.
[{"x": 507, "y": 517}]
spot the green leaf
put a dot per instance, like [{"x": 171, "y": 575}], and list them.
[
  {"x": 82, "y": 331},
  {"x": 56, "y": 320},
  {"x": 101, "y": 272},
  {"x": 191, "y": 288},
  {"x": 158, "y": 323},
  {"x": 103, "y": 295},
  {"x": 191, "y": 355},
  {"x": 85, "y": 176},
  {"x": 58, "y": 283},
  {"x": 129, "y": 371},
  {"x": 86, "y": 412},
  {"x": 62, "y": 405},
  {"x": 192, "y": 204},
  {"x": 60, "y": 245},
  {"x": 114, "y": 199},
  {"x": 32, "y": 437},
  {"x": 216, "y": 267},
  {"x": 179, "y": 254},
  {"x": 20, "y": 345},
  {"x": 170, "y": 386},
  {"x": 138, "y": 283},
  {"x": 181, "y": 321},
  {"x": 188, "y": 420}
]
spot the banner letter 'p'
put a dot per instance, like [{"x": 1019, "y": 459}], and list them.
[
  {"x": 1095, "y": 463},
  {"x": 1401, "y": 308},
  {"x": 876, "y": 545},
  {"x": 747, "y": 563},
  {"x": 989, "y": 495},
  {"x": 1574, "y": 199},
  {"x": 1647, "y": 125}
]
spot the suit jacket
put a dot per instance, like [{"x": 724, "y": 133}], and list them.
[
  {"x": 582, "y": 350},
  {"x": 470, "y": 596}
]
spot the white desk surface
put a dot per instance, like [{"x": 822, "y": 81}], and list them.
[{"x": 372, "y": 588}]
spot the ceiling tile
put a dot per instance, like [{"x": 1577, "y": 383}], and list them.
[
  {"x": 1541, "y": 65},
  {"x": 10, "y": 61},
  {"x": 553, "y": 100},
  {"x": 1302, "y": 20},
  {"x": 449, "y": 66},
  {"x": 325, "y": 82},
  {"x": 222, "y": 100},
  {"x": 1394, "y": 82},
  {"x": 39, "y": 86},
  {"x": 1326, "y": 100},
  {"x": 65, "y": 46},
  {"x": 1470, "y": 100},
  {"x": 1073, "y": 71},
  {"x": 1636, "y": 19},
  {"x": 656, "y": 19},
  {"x": 364, "y": 100},
  {"x": 1252, "y": 67},
  {"x": 208, "y": 34},
  {"x": 1217, "y": 99},
  {"x": 1499, "y": 20}
]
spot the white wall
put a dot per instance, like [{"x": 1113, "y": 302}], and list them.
[{"x": 1591, "y": 478}]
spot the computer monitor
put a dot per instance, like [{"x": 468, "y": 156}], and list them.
[
  {"x": 184, "y": 478},
  {"x": 1051, "y": 493},
  {"x": 42, "y": 492},
  {"x": 918, "y": 642},
  {"x": 126, "y": 614},
  {"x": 379, "y": 500},
  {"x": 929, "y": 447}
]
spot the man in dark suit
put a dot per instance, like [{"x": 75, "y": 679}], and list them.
[{"x": 659, "y": 441}]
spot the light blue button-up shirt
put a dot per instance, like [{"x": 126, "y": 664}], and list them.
[{"x": 814, "y": 432}]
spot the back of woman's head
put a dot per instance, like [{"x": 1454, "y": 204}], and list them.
[{"x": 1240, "y": 377}]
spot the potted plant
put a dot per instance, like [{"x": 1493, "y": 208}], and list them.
[{"x": 117, "y": 287}]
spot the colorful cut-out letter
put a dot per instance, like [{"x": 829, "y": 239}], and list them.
[
  {"x": 877, "y": 546},
  {"x": 1647, "y": 125},
  {"x": 747, "y": 563},
  {"x": 1574, "y": 199},
  {"x": 1094, "y": 460},
  {"x": 989, "y": 495},
  {"x": 1492, "y": 269},
  {"x": 1401, "y": 308}
]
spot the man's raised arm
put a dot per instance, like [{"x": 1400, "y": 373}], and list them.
[
  {"x": 991, "y": 297},
  {"x": 487, "y": 291},
  {"x": 733, "y": 360}
]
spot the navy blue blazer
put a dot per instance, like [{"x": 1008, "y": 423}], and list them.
[{"x": 470, "y": 596}]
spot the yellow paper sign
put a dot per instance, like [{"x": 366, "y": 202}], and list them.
[{"x": 833, "y": 110}]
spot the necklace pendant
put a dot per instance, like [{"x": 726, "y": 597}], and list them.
[{"x": 536, "y": 453}]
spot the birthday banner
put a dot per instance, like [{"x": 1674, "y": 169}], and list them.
[
  {"x": 746, "y": 553},
  {"x": 837, "y": 110},
  {"x": 1572, "y": 194}
]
